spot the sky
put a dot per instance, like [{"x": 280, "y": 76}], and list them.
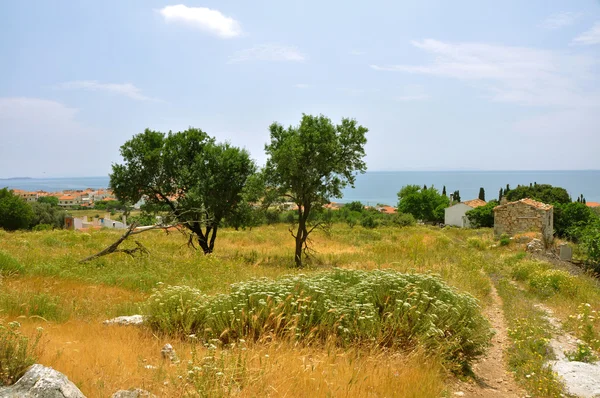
[{"x": 461, "y": 85}]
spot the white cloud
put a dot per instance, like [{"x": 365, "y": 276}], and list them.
[
  {"x": 302, "y": 85},
  {"x": 126, "y": 89},
  {"x": 519, "y": 75},
  {"x": 268, "y": 52},
  {"x": 560, "y": 20},
  {"x": 589, "y": 37},
  {"x": 211, "y": 21}
]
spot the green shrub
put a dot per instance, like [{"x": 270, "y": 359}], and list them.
[
  {"x": 42, "y": 227},
  {"x": 522, "y": 270},
  {"x": 347, "y": 306},
  {"x": 404, "y": 220},
  {"x": 551, "y": 281},
  {"x": 17, "y": 352},
  {"x": 476, "y": 243},
  {"x": 368, "y": 221},
  {"x": 9, "y": 265},
  {"x": 504, "y": 240}
]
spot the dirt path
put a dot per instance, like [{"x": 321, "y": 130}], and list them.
[{"x": 492, "y": 379}]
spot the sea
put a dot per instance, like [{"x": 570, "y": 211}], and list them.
[{"x": 381, "y": 187}]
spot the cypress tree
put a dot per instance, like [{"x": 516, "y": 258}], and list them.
[
  {"x": 444, "y": 191},
  {"x": 500, "y": 195},
  {"x": 482, "y": 193}
]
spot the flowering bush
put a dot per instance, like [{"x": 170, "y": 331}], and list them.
[{"x": 347, "y": 306}]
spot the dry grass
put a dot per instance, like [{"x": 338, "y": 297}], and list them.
[{"x": 101, "y": 360}]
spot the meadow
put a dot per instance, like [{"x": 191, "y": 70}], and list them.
[{"x": 43, "y": 285}]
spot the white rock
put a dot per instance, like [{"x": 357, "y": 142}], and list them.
[
  {"x": 42, "y": 382},
  {"x": 168, "y": 352},
  {"x": 134, "y": 320},
  {"x": 581, "y": 379},
  {"x": 133, "y": 393}
]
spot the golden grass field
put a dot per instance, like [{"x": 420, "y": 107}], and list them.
[{"x": 70, "y": 301}]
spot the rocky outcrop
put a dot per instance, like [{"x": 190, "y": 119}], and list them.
[
  {"x": 42, "y": 382},
  {"x": 535, "y": 246},
  {"x": 130, "y": 320}
]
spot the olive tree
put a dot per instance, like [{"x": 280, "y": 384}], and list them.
[
  {"x": 310, "y": 163},
  {"x": 198, "y": 180}
]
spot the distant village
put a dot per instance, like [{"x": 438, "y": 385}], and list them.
[{"x": 70, "y": 199}]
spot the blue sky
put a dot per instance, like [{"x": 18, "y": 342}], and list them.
[{"x": 486, "y": 85}]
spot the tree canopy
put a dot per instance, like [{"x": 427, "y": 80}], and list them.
[
  {"x": 311, "y": 163},
  {"x": 541, "y": 192},
  {"x": 15, "y": 213},
  {"x": 200, "y": 181},
  {"x": 482, "y": 216},
  {"x": 424, "y": 204}
]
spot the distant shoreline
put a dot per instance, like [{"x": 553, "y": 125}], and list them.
[{"x": 16, "y": 178}]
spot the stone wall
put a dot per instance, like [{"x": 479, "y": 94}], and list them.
[{"x": 517, "y": 217}]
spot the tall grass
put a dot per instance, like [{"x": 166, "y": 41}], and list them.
[
  {"x": 386, "y": 308},
  {"x": 17, "y": 352}
]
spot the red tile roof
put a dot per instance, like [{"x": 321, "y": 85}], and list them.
[
  {"x": 593, "y": 204},
  {"x": 475, "y": 203}
]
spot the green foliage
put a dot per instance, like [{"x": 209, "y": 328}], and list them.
[
  {"x": 143, "y": 219},
  {"x": 583, "y": 353},
  {"x": 51, "y": 200},
  {"x": 348, "y": 306},
  {"x": 15, "y": 213},
  {"x": 368, "y": 221},
  {"x": 42, "y": 227},
  {"x": 17, "y": 352},
  {"x": 482, "y": 216},
  {"x": 571, "y": 218},
  {"x": 423, "y": 204},
  {"x": 541, "y": 192},
  {"x": 311, "y": 163},
  {"x": 46, "y": 214},
  {"x": 200, "y": 181},
  {"x": 587, "y": 321},
  {"x": 355, "y": 206},
  {"x": 476, "y": 243},
  {"x": 403, "y": 220},
  {"x": 548, "y": 282},
  {"x": 504, "y": 240},
  {"x": 9, "y": 265},
  {"x": 590, "y": 242}
]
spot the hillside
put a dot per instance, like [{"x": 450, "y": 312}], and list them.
[{"x": 530, "y": 304}]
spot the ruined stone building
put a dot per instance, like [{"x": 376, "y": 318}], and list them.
[{"x": 525, "y": 215}]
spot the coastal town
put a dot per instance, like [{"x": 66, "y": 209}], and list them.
[{"x": 70, "y": 199}]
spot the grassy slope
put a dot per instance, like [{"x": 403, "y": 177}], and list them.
[{"x": 74, "y": 298}]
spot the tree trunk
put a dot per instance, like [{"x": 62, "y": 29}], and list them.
[
  {"x": 212, "y": 239},
  {"x": 299, "y": 244}
]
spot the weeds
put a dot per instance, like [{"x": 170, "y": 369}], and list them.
[
  {"x": 17, "y": 352},
  {"x": 530, "y": 335}
]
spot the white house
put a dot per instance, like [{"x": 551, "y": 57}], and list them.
[{"x": 456, "y": 215}]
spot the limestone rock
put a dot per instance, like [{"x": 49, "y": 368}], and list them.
[
  {"x": 134, "y": 320},
  {"x": 133, "y": 393},
  {"x": 168, "y": 352},
  {"x": 535, "y": 246},
  {"x": 42, "y": 382}
]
